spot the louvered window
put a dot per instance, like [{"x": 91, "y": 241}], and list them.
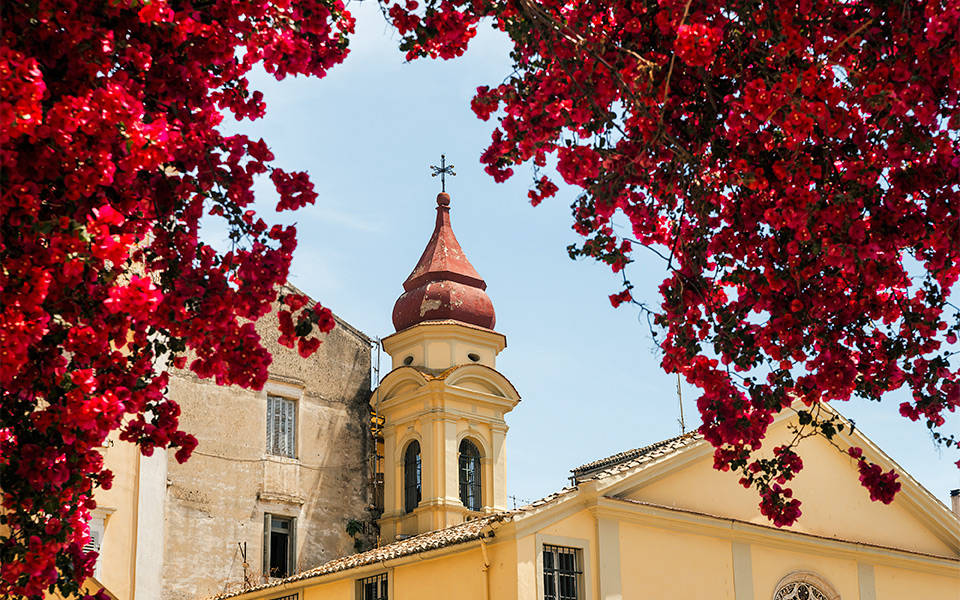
[{"x": 281, "y": 426}]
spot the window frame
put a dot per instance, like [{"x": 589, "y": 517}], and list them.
[
  {"x": 99, "y": 519},
  {"x": 809, "y": 578},
  {"x": 289, "y": 409},
  {"x": 558, "y": 572},
  {"x": 464, "y": 487},
  {"x": 386, "y": 587},
  {"x": 585, "y": 589},
  {"x": 291, "y": 558}
]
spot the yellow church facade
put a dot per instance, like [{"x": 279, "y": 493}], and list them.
[
  {"x": 662, "y": 523},
  {"x": 656, "y": 522}
]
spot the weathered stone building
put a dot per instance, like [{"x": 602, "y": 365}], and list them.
[{"x": 277, "y": 476}]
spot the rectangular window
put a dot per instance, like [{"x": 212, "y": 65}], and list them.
[
  {"x": 372, "y": 588},
  {"x": 281, "y": 426},
  {"x": 279, "y": 545},
  {"x": 562, "y": 573}
]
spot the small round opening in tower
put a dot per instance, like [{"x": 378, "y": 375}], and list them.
[
  {"x": 408, "y": 360},
  {"x": 474, "y": 357}
]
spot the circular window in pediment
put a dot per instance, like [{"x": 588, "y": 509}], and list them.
[{"x": 799, "y": 590}]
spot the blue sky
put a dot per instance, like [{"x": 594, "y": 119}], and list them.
[{"x": 589, "y": 375}]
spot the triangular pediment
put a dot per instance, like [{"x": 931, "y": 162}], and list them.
[{"x": 834, "y": 504}]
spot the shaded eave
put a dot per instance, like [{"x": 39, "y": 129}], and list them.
[{"x": 445, "y": 322}]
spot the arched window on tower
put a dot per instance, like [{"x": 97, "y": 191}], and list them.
[
  {"x": 411, "y": 476},
  {"x": 470, "y": 475}
]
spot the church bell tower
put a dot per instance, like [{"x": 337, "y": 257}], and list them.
[{"x": 443, "y": 404}]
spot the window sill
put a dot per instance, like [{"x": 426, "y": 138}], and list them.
[
  {"x": 275, "y": 498},
  {"x": 284, "y": 460}
]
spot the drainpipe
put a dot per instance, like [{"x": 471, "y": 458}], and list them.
[
  {"x": 955, "y": 501},
  {"x": 485, "y": 568}
]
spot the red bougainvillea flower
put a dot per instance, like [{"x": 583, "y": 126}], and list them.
[
  {"x": 697, "y": 44},
  {"x": 795, "y": 165},
  {"x": 110, "y": 154}
]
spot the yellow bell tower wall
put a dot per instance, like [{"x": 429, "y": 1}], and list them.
[{"x": 443, "y": 390}]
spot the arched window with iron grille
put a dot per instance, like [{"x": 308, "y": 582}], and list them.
[
  {"x": 470, "y": 475},
  {"x": 411, "y": 476}
]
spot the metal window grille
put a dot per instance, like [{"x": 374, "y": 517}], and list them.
[
  {"x": 799, "y": 591},
  {"x": 373, "y": 588},
  {"x": 412, "y": 476},
  {"x": 562, "y": 573},
  {"x": 293, "y": 596},
  {"x": 470, "y": 475},
  {"x": 281, "y": 426}
]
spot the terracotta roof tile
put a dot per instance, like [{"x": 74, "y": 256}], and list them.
[{"x": 621, "y": 461}]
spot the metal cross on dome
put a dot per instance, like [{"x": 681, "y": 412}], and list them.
[{"x": 443, "y": 170}]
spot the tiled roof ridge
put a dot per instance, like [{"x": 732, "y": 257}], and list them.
[
  {"x": 545, "y": 500},
  {"x": 634, "y": 454}
]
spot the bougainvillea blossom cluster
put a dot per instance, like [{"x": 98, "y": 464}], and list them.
[
  {"x": 111, "y": 152},
  {"x": 794, "y": 164}
]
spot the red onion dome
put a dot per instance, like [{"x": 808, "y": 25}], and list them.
[{"x": 443, "y": 285}]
